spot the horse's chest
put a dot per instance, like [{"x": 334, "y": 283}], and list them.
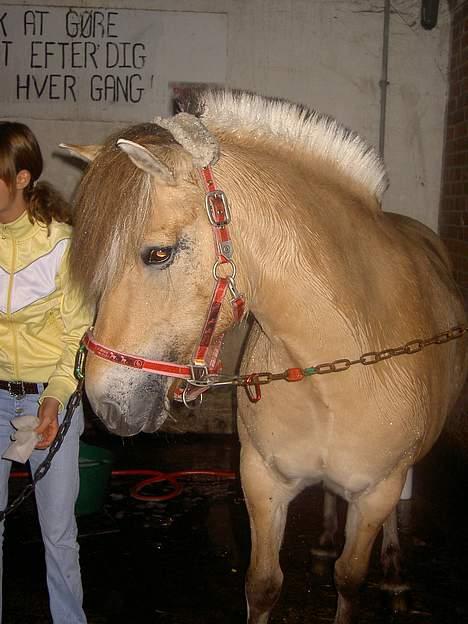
[
  {"x": 344, "y": 463},
  {"x": 345, "y": 474},
  {"x": 346, "y": 444},
  {"x": 295, "y": 457}
]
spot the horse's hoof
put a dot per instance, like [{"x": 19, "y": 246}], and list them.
[
  {"x": 396, "y": 596},
  {"x": 400, "y": 603}
]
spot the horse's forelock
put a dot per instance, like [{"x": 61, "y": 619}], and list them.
[{"x": 112, "y": 208}]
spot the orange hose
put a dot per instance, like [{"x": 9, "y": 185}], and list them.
[{"x": 156, "y": 476}]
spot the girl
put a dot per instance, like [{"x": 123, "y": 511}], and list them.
[{"x": 41, "y": 322}]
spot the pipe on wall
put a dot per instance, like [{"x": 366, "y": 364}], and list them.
[{"x": 384, "y": 78}]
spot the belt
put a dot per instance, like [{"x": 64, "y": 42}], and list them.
[{"x": 20, "y": 388}]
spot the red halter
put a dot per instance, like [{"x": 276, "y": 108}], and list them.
[{"x": 205, "y": 359}]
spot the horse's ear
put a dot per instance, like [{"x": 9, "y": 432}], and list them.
[
  {"x": 145, "y": 160},
  {"x": 85, "y": 152}
]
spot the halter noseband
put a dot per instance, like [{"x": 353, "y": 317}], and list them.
[{"x": 205, "y": 361}]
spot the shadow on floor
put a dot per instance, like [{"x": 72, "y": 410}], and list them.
[{"x": 183, "y": 561}]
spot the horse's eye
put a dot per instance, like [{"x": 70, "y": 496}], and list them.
[{"x": 157, "y": 255}]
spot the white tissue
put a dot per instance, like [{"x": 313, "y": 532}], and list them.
[{"x": 24, "y": 439}]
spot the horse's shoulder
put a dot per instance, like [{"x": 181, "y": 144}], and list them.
[{"x": 421, "y": 237}]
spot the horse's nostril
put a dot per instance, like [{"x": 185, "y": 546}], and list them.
[
  {"x": 124, "y": 420},
  {"x": 110, "y": 413}
]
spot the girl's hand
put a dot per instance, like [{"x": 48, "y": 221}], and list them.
[{"x": 48, "y": 426}]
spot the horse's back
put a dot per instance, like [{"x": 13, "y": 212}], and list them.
[
  {"x": 439, "y": 300},
  {"x": 431, "y": 269},
  {"x": 420, "y": 234}
]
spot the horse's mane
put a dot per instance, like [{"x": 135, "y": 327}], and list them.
[
  {"x": 114, "y": 200},
  {"x": 295, "y": 125}
]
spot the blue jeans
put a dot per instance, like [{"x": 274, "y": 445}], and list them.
[{"x": 56, "y": 495}]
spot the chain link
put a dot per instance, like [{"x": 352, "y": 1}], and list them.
[
  {"x": 373, "y": 357},
  {"x": 343, "y": 364},
  {"x": 43, "y": 468}
]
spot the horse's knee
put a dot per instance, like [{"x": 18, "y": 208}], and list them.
[
  {"x": 262, "y": 594},
  {"x": 349, "y": 578}
]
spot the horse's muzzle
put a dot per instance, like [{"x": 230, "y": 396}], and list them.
[{"x": 130, "y": 408}]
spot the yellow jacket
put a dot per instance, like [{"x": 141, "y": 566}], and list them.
[{"x": 42, "y": 318}]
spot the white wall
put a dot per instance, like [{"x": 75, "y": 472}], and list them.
[
  {"x": 328, "y": 55},
  {"x": 322, "y": 53}
]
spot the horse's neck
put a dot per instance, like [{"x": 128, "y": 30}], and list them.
[
  {"x": 299, "y": 310},
  {"x": 289, "y": 333},
  {"x": 292, "y": 225}
]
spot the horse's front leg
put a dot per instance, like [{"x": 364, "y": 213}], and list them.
[
  {"x": 365, "y": 517},
  {"x": 390, "y": 559},
  {"x": 390, "y": 552},
  {"x": 267, "y": 501}
]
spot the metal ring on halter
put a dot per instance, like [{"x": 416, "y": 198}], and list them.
[
  {"x": 189, "y": 403},
  {"x": 231, "y": 264}
]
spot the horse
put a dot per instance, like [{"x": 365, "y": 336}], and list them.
[{"x": 357, "y": 352}]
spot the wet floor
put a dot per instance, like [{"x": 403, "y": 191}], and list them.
[{"x": 183, "y": 561}]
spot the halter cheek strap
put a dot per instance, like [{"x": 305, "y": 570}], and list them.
[
  {"x": 219, "y": 216},
  {"x": 205, "y": 360}
]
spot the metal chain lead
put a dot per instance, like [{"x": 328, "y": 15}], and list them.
[
  {"x": 43, "y": 468},
  {"x": 373, "y": 357},
  {"x": 339, "y": 365}
]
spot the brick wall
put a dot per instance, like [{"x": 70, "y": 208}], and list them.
[
  {"x": 453, "y": 222},
  {"x": 454, "y": 202}
]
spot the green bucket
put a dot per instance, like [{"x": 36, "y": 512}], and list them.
[{"x": 95, "y": 471}]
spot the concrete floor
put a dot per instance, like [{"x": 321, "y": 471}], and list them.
[{"x": 183, "y": 561}]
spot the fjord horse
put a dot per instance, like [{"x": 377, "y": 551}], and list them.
[{"x": 326, "y": 274}]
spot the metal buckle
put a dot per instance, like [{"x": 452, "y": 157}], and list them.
[
  {"x": 210, "y": 206},
  {"x": 199, "y": 375},
  {"x": 14, "y": 391}
]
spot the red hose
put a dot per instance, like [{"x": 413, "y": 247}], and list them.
[{"x": 156, "y": 476}]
